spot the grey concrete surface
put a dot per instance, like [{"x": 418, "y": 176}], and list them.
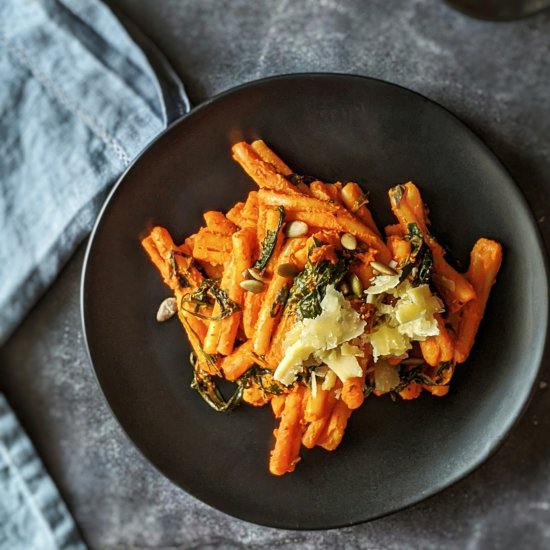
[{"x": 496, "y": 77}]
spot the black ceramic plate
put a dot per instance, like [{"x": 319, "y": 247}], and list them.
[{"x": 393, "y": 454}]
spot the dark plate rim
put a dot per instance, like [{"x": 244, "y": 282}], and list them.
[
  {"x": 538, "y": 352},
  {"x": 495, "y": 19}
]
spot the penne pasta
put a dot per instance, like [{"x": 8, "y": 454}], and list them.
[{"x": 296, "y": 297}]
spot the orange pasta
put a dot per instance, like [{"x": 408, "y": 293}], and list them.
[
  {"x": 267, "y": 319},
  {"x": 408, "y": 207},
  {"x": 485, "y": 261},
  {"x": 241, "y": 260},
  {"x": 295, "y": 297},
  {"x": 285, "y": 454},
  {"x": 356, "y": 202},
  {"x": 353, "y": 389},
  {"x": 335, "y": 427}
]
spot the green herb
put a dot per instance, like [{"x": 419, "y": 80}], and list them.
[
  {"x": 207, "y": 294},
  {"x": 444, "y": 366},
  {"x": 310, "y": 285},
  {"x": 174, "y": 270},
  {"x": 195, "y": 342},
  {"x": 420, "y": 257},
  {"x": 415, "y": 375},
  {"x": 406, "y": 377},
  {"x": 425, "y": 267},
  {"x": 262, "y": 378},
  {"x": 279, "y": 302},
  {"x": 207, "y": 389},
  {"x": 270, "y": 241},
  {"x": 406, "y": 271},
  {"x": 414, "y": 235},
  {"x": 295, "y": 179}
]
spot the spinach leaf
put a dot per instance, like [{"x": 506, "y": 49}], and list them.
[
  {"x": 174, "y": 269},
  {"x": 415, "y": 375},
  {"x": 308, "y": 290},
  {"x": 444, "y": 366},
  {"x": 414, "y": 235},
  {"x": 420, "y": 257},
  {"x": 197, "y": 348},
  {"x": 268, "y": 245},
  {"x": 295, "y": 179},
  {"x": 279, "y": 302},
  {"x": 425, "y": 267},
  {"x": 263, "y": 378},
  {"x": 206, "y": 387},
  {"x": 207, "y": 294}
]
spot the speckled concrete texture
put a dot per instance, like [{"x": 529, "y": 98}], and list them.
[{"x": 496, "y": 77}]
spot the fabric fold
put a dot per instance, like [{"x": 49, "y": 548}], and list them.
[
  {"x": 79, "y": 101},
  {"x": 32, "y": 514}
]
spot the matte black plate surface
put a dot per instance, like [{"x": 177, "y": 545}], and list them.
[{"x": 394, "y": 454}]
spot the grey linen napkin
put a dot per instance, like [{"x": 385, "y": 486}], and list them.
[
  {"x": 32, "y": 515},
  {"x": 78, "y": 101}
]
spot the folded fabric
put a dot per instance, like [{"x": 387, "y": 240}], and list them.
[
  {"x": 78, "y": 102},
  {"x": 32, "y": 514}
]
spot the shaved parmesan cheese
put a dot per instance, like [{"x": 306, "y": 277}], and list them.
[
  {"x": 347, "y": 349},
  {"x": 410, "y": 318},
  {"x": 387, "y": 340},
  {"x": 383, "y": 283},
  {"x": 313, "y": 384},
  {"x": 345, "y": 366},
  {"x": 329, "y": 381},
  {"x": 386, "y": 376},
  {"x": 420, "y": 329},
  {"x": 337, "y": 324}
]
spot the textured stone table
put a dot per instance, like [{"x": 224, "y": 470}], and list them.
[{"x": 496, "y": 77}]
